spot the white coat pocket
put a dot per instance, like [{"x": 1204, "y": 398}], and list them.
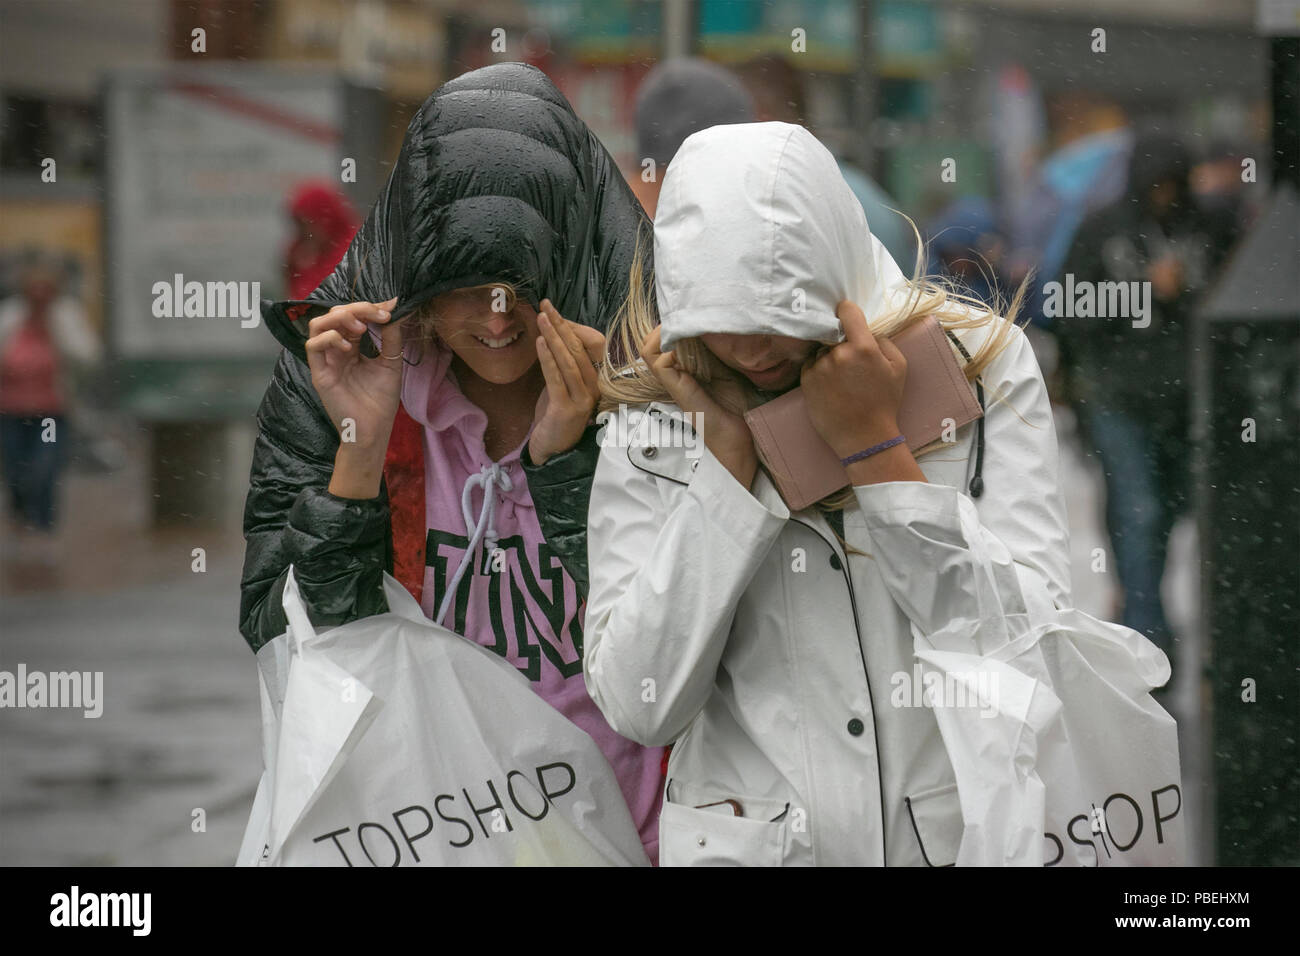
[
  {"x": 936, "y": 821},
  {"x": 689, "y": 836}
]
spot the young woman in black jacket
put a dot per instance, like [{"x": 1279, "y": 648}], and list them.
[{"x": 502, "y": 207}]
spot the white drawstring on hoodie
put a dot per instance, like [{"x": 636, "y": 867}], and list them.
[{"x": 489, "y": 478}]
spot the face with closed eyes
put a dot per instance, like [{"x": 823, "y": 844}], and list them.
[
  {"x": 489, "y": 330},
  {"x": 773, "y": 363}
]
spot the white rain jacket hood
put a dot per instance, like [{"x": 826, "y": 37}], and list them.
[
  {"x": 807, "y": 246},
  {"x": 784, "y": 668}
]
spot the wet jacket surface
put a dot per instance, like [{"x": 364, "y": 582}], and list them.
[{"x": 497, "y": 181}]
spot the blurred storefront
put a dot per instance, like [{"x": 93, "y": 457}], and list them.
[{"x": 898, "y": 87}]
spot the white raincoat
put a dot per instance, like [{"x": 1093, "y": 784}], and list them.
[{"x": 779, "y": 667}]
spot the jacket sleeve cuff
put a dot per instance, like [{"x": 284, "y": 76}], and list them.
[
  {"x": 339, "y": 550},
  {"x": 576, "y": 464},
  {"x": 922, "y": 546},
  {"x": 748, "y": 520},
  {"x": 342, "y": 522},
  {"x": 900, "y": 504}
]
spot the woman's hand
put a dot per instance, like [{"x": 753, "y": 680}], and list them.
[
  {"x": 726, "y": 434},
  {"x": 568, "y": 353},
  {"x": 360, "y": 395},
  {"x": 853, "y": 391}
]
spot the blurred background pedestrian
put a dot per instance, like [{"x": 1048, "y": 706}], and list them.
[
  {"x": 45, "y": 342},
  {"x": 677, "y": 98},
  {"x": 324, "y": 224},
  {"x": 1128, "y": 375}
]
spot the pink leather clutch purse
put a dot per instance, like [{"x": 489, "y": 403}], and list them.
[{"x": 805, "y": 469}]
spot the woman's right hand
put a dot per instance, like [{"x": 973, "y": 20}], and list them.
[
  {"x": 360, "y": 394},
  {"x": 725, "y": 433}
]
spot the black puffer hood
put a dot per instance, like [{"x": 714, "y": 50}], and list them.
[{"x": 497, "y": 181}]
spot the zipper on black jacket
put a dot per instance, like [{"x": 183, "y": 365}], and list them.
[{"x": 862, "y": 655}]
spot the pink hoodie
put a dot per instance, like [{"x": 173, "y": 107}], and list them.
[{"x": 530, "y": 614}]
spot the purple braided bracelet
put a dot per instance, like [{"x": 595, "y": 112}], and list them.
[{"x": 868, "y": 452}]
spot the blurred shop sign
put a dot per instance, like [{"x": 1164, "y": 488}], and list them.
[
  {"x": 601, "y": 31},
  {"x": 199, "y": 163},
  {"x": 828, "y": 31},
  {"x": 907, "y": 38},
  {"x": 820, "y": 35},
  {"x": 374, "y": 42}
]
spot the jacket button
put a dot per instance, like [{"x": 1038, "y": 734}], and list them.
[
  {"x": 701, "y": 841},
  {"x": 651, "y": 451},
  {"x": 836, "y": 563},
  {"x": 856, "y": 727}
]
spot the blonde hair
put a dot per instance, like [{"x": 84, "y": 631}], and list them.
[{"x": 625, "y": 380}]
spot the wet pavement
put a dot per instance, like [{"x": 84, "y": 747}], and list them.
[{"x": 180, "y": 730}]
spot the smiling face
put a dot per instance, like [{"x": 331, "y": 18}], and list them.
[
  {"x": 772, "y": 363},
  {"x": 494, "y": 334}
]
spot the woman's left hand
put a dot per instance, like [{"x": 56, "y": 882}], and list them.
[
  {"x": 568, "y": 353},
  {"x": 854, "y": 389}
]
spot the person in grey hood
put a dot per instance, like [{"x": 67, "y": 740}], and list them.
[
  {"x": 764, "y": 644},
  {"x": 677, "y": 98}
]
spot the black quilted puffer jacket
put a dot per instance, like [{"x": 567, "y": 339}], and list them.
[{"x": 497, "y": 180}]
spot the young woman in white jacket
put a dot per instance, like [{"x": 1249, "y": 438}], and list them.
[{"x": 773, "y": 649}]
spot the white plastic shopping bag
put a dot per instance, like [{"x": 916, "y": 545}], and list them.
[
  {"x": 1067, "y": 760},
  {"x": 393, "y": 741}
]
